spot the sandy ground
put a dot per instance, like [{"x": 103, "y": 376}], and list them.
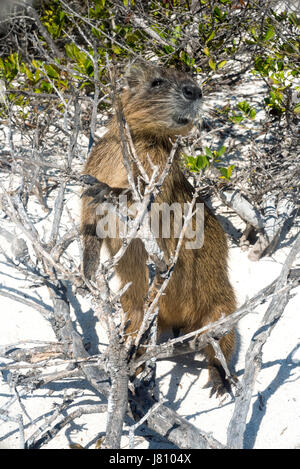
[{"x": 274, "y": 416}]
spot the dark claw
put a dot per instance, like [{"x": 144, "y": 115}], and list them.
[
  {"x": 219, "y": 384},
  {"x": 99, "y": 193},
  {"x": 97, "y": 190},
  {"x": 218, "y": 390},
  {"x": 87, "y": 179}
]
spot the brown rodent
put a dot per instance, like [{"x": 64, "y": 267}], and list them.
[{"x": 159, "y": 103}]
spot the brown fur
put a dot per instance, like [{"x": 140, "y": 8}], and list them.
[{"x": 199, "y": 291}]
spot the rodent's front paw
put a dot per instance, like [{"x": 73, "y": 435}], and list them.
[{"x": 97, "y": 190}]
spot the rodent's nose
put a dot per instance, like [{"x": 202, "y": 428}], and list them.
[{"x": 191, "y": 92}]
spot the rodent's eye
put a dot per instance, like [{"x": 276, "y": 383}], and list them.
[{"x": 157, "y": 82}]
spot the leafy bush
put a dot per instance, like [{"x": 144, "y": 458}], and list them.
[{"x": 65, "y": 46}]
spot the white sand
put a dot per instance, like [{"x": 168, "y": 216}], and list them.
[{"x": 274, "y": 416}]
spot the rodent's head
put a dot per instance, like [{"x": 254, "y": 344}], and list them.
[{"x": 161, "y": 101}]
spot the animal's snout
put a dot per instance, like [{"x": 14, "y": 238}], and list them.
[{"x": 191, "y": 92}]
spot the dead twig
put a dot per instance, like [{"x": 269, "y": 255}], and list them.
[{"x": 237, "y": 425}]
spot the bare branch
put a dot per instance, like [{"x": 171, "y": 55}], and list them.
[{"x": 237, "y": 425}]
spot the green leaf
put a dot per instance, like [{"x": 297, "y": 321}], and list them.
[
  {"x": 211, "y": 36},
  {"x": 177, "y": 32},
  {"x": 46, "y": 86},
  {"x": 27, "y": 72},
  {"x": 237, "y": 118},
  {"x": 198, "y": 163},
  {"x": 221, "y": 150},
  {"x": 208, "y": 152},
  {"x": 226, "y": 172},
  {"x": 37, "y": 75},
  {"x": 254, "y": 33},
  {"x": 212, "y": 64},
  {"x": 202, "y": 162},
  {"x": 217, "y": 12},
  {"x": 35, "y": 64},
  {"x": 116, "y": 49},
  {"x": 222, "y": 63},
  {"x": 168, "y": 49},
  {"x": 186, "y": 58},
  {"x": 51, "y": 72},
  {"x": 296, "y": 109},
  {"x": 269, "y": 34},
  {"x": 244, "y": 106}
]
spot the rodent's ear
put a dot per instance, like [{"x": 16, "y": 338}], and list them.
[{"x": 136, "y": 73}]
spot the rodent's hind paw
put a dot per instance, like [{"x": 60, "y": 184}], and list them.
[
  {"x": 219, "y": 384},
  {"x": 218, "y": 388}
]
